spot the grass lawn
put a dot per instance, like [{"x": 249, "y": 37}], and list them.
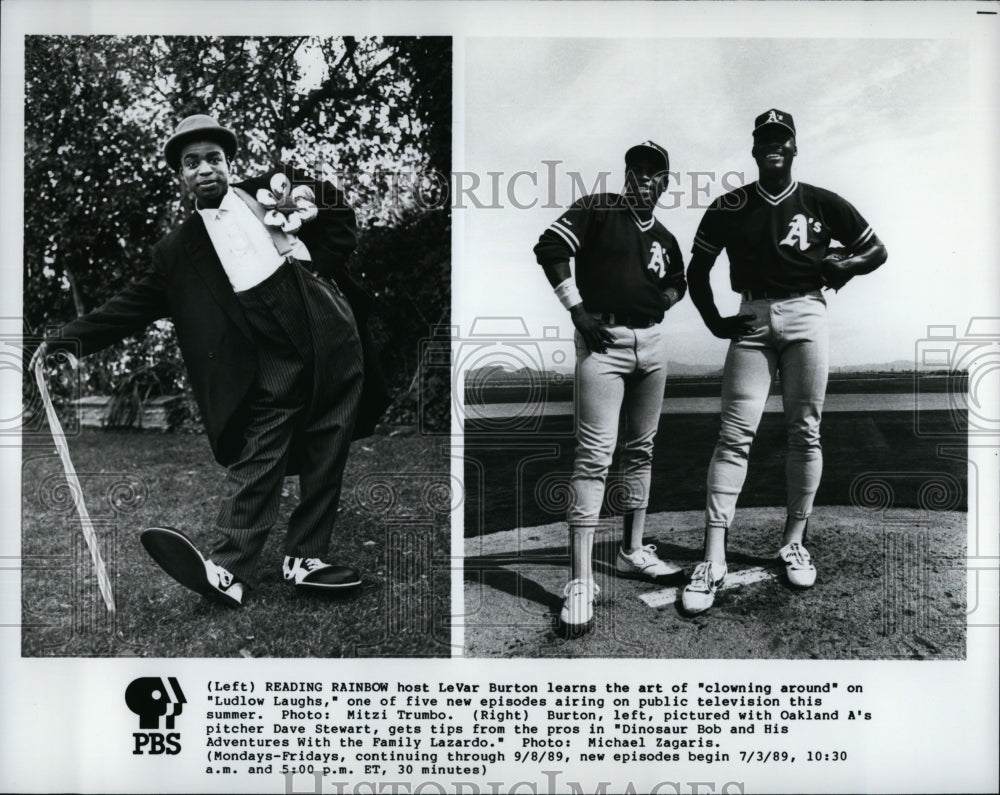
[{"x": 393, "y": 526}]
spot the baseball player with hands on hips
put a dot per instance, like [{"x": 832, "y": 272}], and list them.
[
  {"x": 776, "y": 233},
  {"x": 628, "y": 273}
]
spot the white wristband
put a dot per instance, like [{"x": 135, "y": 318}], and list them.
[{"x": 567, "y": 293}]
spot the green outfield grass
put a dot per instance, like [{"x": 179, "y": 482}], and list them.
[{"x": 393, "y": 526}]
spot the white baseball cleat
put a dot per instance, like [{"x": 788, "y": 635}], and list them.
[
  {"x": 798, "y": 565},
  {"x": 699, "y": 594},
  {"x": 577, "y": 615},
  {"x": 644, "y": 562}
]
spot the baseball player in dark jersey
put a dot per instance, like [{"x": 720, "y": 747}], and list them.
[
  {"x": 628, "y": 273},
  {"x": 776, "y": 233}
]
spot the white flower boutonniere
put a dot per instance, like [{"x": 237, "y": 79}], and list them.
[{"x": 287, "y": 208}]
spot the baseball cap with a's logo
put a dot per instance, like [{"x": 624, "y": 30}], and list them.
[
  {"x": 774, "y": 116},
  {"x": 648, "y": 149}
]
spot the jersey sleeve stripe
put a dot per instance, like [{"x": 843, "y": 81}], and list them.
[
  {"x": 864, "y": 237},
  {"x": 706, "y": 247},
  {"x": 566, "y": 235}
]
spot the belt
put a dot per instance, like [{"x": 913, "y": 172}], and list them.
[
  {"x": 762, "y": 293},
  {"x": 632, "y": 321}
]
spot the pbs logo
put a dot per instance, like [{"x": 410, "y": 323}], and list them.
[{"x": 155, "y": 700}]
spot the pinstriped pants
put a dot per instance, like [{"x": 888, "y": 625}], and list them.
[{"x": 303, "y": 403}]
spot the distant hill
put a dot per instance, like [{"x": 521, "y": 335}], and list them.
[
  {"x": 498, "y": 384},
  {"x": 682, "y": 369},
  {"x": 498, "y": 373},
  {"x": 895, "y": 366},
  {"x": 501, "y": 373}
]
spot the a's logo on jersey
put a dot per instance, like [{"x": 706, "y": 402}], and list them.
[
  {"x": 658, "y": 261},
  {"x": 798, "y": 231}
]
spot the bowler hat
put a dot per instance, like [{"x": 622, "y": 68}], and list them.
[{"x": 199, "y": 127}]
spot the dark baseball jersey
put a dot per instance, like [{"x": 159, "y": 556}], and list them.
[
  {"x": 778, "y": 242},
  {"x": 622, "y": 264}
]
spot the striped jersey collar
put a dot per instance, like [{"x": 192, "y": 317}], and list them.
[
  {"x": 644, "y": 226},
  {"x": 776, "y": 200}
]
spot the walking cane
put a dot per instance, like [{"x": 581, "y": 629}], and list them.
[{"x": 59, "y": 437}]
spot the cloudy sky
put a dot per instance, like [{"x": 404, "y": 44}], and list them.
[{"x": 896, "y": 126}]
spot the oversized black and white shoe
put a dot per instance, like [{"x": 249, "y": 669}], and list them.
[
  {"x": 179, "y": 557},
  {"x": 314, "y": 573}
]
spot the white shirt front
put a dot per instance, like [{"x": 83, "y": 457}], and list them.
[{"x": 244, "y": 245}]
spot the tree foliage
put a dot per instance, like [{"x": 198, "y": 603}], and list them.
[{"x": 364, "y": 112}]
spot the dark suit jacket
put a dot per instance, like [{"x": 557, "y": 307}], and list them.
[{"x": 186, "y": 282}]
